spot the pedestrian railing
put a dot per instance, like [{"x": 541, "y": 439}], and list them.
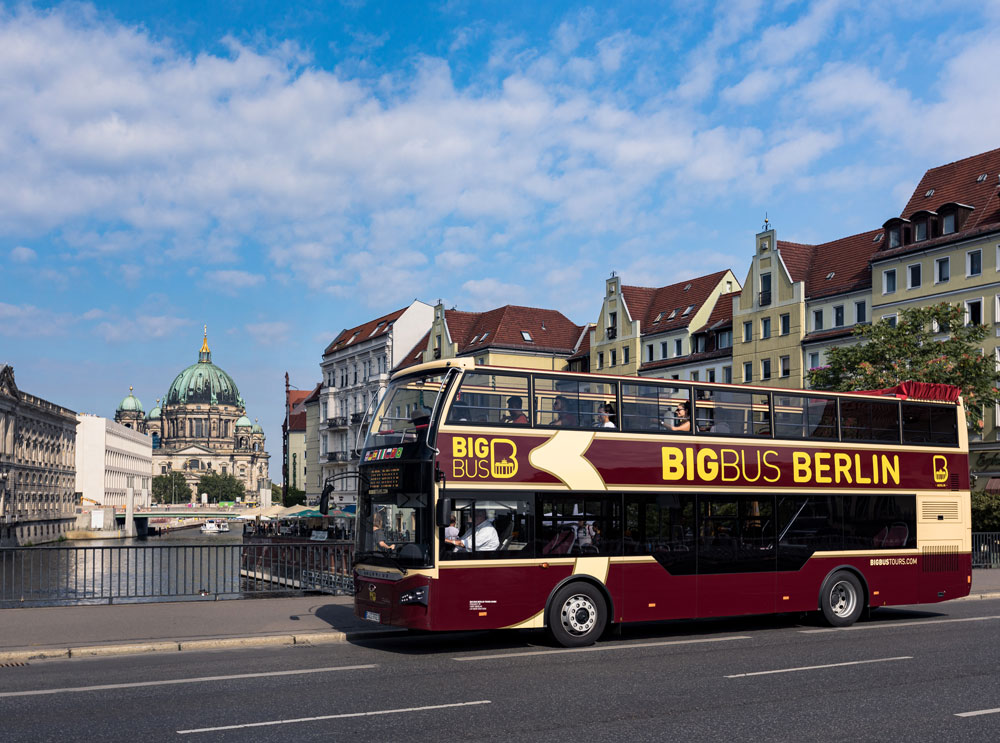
[
  {"x": 986, "y": 549},
  {"x": 120, "y": 574}
]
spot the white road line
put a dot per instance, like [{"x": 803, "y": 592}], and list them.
[
  {"x": 168, "y": 682},
  {"x": 891, "y": 625},
  {"x": 978, "y": 712},
  {"x": 333, "y": 717},
  {"x": 599, "y": 648},
  {"x": 815, "y": 668}
]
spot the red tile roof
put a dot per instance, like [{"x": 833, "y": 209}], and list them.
[
  {"x": 797, "y": 258},
  {"x": 549, "y": 330},
  {"x": 297, "y": 421},
  {"x": 722, "y": 313},
  {"x": 297, "y": 411},
  {"x": 693, "y": 358},
  {"x": 314, "y": 395},
  {"x": 584, "y": 350},
  {"x": 646, "y": 304},
  {"x": 846, "y": 258},
  {"x": 957, "y": 182},
  {"x": 825, "y": 335},
  {"x": 371, "y": 329}
]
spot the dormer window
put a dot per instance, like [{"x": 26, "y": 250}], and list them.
[
  {"x": 948, "y": 223},
  {"x": 919, "y": 231},
  {"x": 894, "y": 237}
]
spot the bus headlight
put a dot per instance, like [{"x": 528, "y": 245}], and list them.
[{"x": 416, "y": 596}]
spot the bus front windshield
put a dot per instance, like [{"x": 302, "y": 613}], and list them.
[{"x": 404, "y": 415}]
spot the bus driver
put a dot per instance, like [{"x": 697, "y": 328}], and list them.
[{"x": 487, "y": 539}]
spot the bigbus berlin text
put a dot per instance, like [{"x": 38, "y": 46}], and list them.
[{"x": 734, "y": 465}]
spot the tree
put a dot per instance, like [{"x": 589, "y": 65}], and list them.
[
  {"x": 295, "y": 497},
  {"x": 220, "y": 487},
  {"x": 985, "y": 511},
  {"x": 913, "y": 349},
  {"x": 171, "y": 488}
]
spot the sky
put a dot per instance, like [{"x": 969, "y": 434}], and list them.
[{"x": 279, "y": 171}]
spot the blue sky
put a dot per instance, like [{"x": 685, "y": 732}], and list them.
[{"x": 281, "y": 171}]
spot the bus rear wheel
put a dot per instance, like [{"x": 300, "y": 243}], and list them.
[
  {"x": 577, "y": 615},
  {"x": 841, "y": 599}
]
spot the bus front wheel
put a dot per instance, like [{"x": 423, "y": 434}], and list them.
[
  {"x": 577, "y": 615},
  {"x": 842, "y": 599}
]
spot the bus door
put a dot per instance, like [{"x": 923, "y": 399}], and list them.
[
  {"x": 660, "y": 526},
  {"x": 736, "y": 555}
]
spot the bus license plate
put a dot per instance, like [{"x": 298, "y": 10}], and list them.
[{"x": 373, "y": 616}]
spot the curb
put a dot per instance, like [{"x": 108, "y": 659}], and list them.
[
  {"x": 976, "y": 596},
  {"x": 94, "y": 651}
]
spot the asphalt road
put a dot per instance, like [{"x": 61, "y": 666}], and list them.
[{"x": 903, "y": 675}]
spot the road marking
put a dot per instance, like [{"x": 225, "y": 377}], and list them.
[
  {"x": 599, "y": 648},
  {"x": 333, "y": 717},
  {"x": 890, "y": 624},
  {"x": 814, "y": 668},
  {"x": 168, "y": 682},
  {"x": 978, "y": 712}
]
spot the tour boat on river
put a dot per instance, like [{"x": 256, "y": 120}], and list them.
[{"x": 215, "y": 526}]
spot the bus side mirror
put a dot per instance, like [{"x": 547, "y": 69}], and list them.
[{"x": 444, "y": 512}]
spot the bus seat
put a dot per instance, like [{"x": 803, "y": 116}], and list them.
[
  {"x": 504, "y": 525},
  {"x": 897, "y": 536},
  {"x": 879, "y": 539},
  {"x": 561, "y": 543}
]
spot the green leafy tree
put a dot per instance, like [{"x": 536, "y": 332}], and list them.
[
  {"x": 985, "y": 511},
  {"x": 220, "y": 487},
  {"x": 171, "y": 488},
  {"x": 295, "y": 497},
  {"x": 914, "y": 349}
]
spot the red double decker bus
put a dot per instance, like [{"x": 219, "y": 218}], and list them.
[{"x": 506, "y": 498}]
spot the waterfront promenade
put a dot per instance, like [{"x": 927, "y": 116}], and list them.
[{"x": 119, "y": 629}]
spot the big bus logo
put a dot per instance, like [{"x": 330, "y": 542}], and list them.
[
  {"x": 481, "y": 458},
  {"x": 940, "y": 468}
]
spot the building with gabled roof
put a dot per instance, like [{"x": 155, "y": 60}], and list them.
[
  {"x": 644, "y": 330},
  {"x": 527, "y": 337},
  {"x": 296, "y": 466},
  {"x": 356, "y": 366}
]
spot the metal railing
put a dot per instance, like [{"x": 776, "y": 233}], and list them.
[
  {"x": 986, "y": 549},
  {"x": 32, "y": 576}
]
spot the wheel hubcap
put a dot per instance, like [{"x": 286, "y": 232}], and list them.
[
  {"x": 579, "y": 614},
  {"x": 843, "y": 599}
]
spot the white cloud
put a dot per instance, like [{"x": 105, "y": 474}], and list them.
[
  {"x": 139, "y": 329},
  {"x": 487, "y": 294},
  {"x": 29, "y": 321},
  {"x": 269, "y": 333},
  {"x": 21, "y": 254},
  {"x": 232, "y": 282}
]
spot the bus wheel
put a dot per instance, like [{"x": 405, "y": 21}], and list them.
[
  {"x": 841, "y": 599},
  {"x": 577, "y": 615}
]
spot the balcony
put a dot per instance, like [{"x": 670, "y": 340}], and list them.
[
  {"x": 764, "y": 298},
  {"x": 337, "y": 422},
  {"x": 611, "y": 333},
  {"x": 357, "y": 418},
  {"x": 336, "y": 456}
]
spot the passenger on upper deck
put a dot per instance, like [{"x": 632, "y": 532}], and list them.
[
  {"x": 515, "y": 413},
  {"x": 560, "y": 407},
  {"x": 682, "y": 418},
  {"x": 606, "y": 416}
]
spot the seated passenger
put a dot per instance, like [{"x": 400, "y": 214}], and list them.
[
  {"x": 487, "y": 539},
  {"x": 563, "y": 417},
  {"x": 515, "y": 413},
  {"x": 605, "y": 416},
  {"x": 682, "y": 419}
]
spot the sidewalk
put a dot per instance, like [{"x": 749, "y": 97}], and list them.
[{"x": 118, "y": 629}]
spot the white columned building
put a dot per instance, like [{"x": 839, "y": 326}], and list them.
[
  {"x": 112, "y": 458},
  {"x": 356, "y": 368}
]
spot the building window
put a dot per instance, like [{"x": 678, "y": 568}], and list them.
[
  {"x": 974, "y": 263},
  {"x": 942, "y": 270},
  {"x": 814, "y": 360},
  {"x": 600, "y": 360},
  {"x": 786, "y": 324},
  {"x": 974, "y": 312},
  {"x": 663, "y": 350},
  {"x": 724, "y": 339},
  {"x": 649, "y": 352},
  {"x": 747, "y": 371},
  {"x": 765, "y": 369},
  {"x": 860, "y": 312},
  {"x": 765, "y": 289},
  {"x": 613, "y": 356},
  {"x": 786, "y": 366},
  {"x": 948, "y": 224},
  {"x": 889, "y": 281},
  {"x": 678, "y": 347},
  {"x": 920, "y": 231},
  {"x": 838, "y": 316},
  {"x": 765, "y": 327},
  {"x": 694, "y": 376},
  {"x": 817, "y": 319},
  {"x": 625, "y": 354},
  {"x": 727, "y": 374},
  {"x": 913, "y": 276},
  {"x": 710, "y": 375},
  {"x": 894, "y": 237},
  {"x": 747, "y": 332},
  {"x": 891, "y": 319}
]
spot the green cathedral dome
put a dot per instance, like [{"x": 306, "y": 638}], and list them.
[
  {"x": 155, "y": 413},
  {"x": 130, "y": 404},
  {"x": 243, "y": 422},
  {"x": 203, "y": 383}
]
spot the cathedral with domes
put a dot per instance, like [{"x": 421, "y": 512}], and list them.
[{"x": 201, "y": 426}]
